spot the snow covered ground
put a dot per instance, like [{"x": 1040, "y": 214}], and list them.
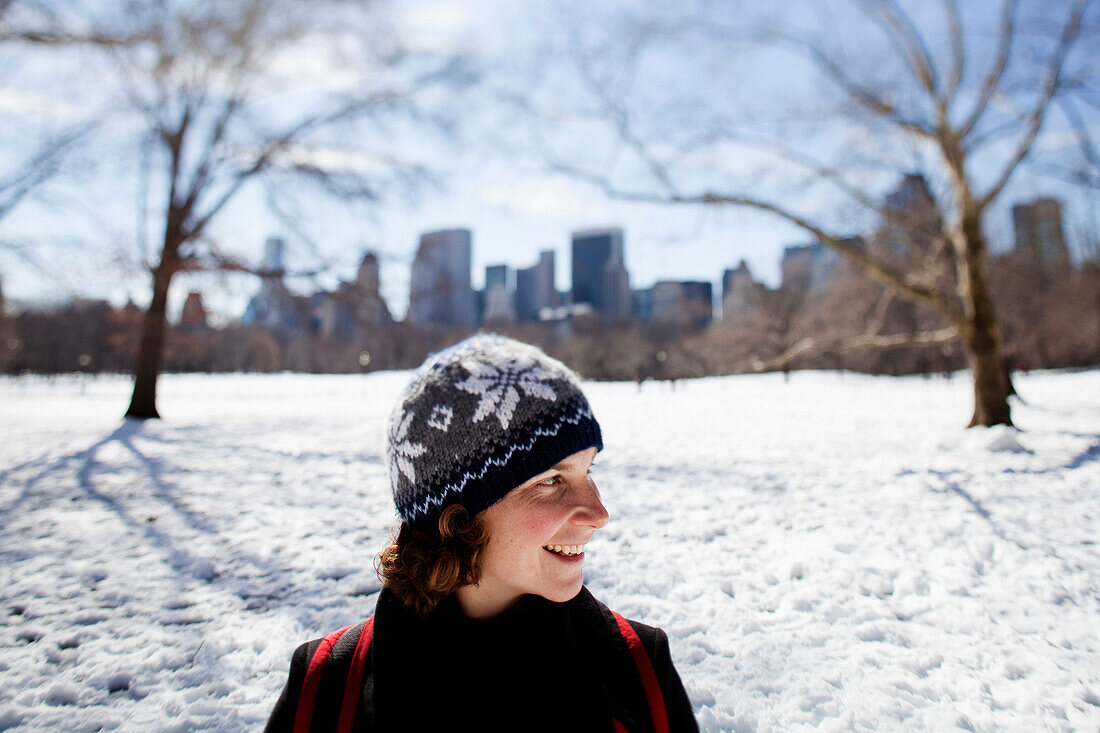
[{"x": 831, "y": 553}]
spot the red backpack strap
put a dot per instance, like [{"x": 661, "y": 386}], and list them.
[
  {"x": 355, "y": 678},
  {"x": 653, "y": 694},
  {"x": 306, "y": 701}
]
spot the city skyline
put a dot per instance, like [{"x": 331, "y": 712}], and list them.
[
  {"x": 493, "y": 181},
  {"x": 810, "y": 263},
  {"x": 443, "y": 275}
]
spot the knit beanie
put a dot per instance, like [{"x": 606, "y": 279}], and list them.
[{"x": 477, "y": 420}]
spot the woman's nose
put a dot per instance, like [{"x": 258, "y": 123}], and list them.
[{"x": 590, "y": 510}]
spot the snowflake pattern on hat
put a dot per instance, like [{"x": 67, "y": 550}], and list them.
[
  {"x": 405, "y": 450},
  {"x": 490, "y": 412},
  {"x": 440, "y": 419},
  {"x": 497, "y": 386}
]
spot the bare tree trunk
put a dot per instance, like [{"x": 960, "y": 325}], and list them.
[
  {"x": 982, "y": 341},
  {"x": 143, "y": 402},
  {"x": 990, "y": 382}
]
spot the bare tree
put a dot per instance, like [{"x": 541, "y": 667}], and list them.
[
  {"x": 941, "y": 111},
  {"x": 254, "y": 94}
]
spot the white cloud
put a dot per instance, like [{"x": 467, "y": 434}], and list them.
[
  {"x": 549, "y": 197},
  {"x": 336, "y": 159},
  {"x": 24, "y": 103},
  {"x": 436, "y": 27}
]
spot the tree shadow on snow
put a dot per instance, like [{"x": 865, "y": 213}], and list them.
[
  {"x": 953, "y": 487},
  {"x": 267, "y": 584},
  {"x": 1092, "y": 453}
]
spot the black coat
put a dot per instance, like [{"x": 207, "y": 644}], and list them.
[{"x": 538, "y": 666}]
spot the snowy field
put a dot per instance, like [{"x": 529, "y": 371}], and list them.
[{"x": 832, "y": 553}]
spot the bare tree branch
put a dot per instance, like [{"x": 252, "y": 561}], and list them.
[
  {"x": 809, "y": 346},
  {"x": 44, "y": 165},
  {"x": 271, "y": 148},
  {"x": 958, "y": 51},
  {"x": 1088, "y": 172},
  {"x": 881, "y": 308},
  {"x": 873, "y": 268},
  {"x": 996, "y": 71},
  {"x": 866, "y": 97},
  {"x": 1052, "y": 76},
  {"x": 27, "y": 252},
  {"x": 905, "y": 218},
  {"x": 899, "y": 28},
  {"x": 621, "y": 118},
  {"x": 64, "y": 39}
]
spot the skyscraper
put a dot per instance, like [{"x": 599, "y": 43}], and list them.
[
  {"x": 356, "y": 307},
  {"x": 273, "y": 255},
  {"x": 274, "y": 307},
  {"x": 593, "y": 249},
  {"x": 686, "y": 304},
  {"x": 194, "y": 312},
  {"x": 496, "y": 275},
  {"x": 535, "y": 289},
  {"x": 546, "y": 292},
  {"x": 618, "y": 301},
  {"x": 498, "y": 302},
  {"x": 807, "y": 266},
  {"x": 740, "y": 292},
  {"x": 526, "y": 308},
  {"x": 1039, "y": 232},
  {"x": 912, "y": 220},
  {"x": 439, "y": 288}
]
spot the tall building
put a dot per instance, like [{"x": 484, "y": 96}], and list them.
[
  {"x": 912, "y": 220},
  {"x": 699, "y": 302},
  {"x": 368, "y": 280},
  {"x": 273, "y": 256},
  {"x": 912, "y": 194},
  {"x": 498, "y": 302},
  {"x": 740, "y": 291},
  {"x": 535, "y": 289},
  {"x": 546, "y": 292},
  {"x": 497, "y": 275},
  {"x": 194, "y": 312},
  {"x": 526, "y": 308},
  {"x": 1038, "y": 227},
  {"x": 618, "y": 301},
  {"x": 643, "y": 303},
  {"x": 806, "y": 266},
  {"x": 359, "y": 304},
  {"x": 439, "y": 288},
  {"x": 274, "y": 307},
  {"x": 593, "y": 249},
  {"x": 354, "y": 308},
  {"x": 686, "y": 304}
]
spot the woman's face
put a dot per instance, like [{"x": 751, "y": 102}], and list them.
[{"x": 537, "y": 534}]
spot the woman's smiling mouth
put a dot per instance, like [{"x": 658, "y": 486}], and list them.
[{"x": 565, "y": 550}]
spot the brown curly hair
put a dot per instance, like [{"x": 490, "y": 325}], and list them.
[{"x": 423, "y": 566}]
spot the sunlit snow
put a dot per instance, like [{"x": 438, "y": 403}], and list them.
[{"x": 834, "y": 552}]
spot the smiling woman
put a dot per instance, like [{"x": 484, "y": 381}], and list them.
[{"x": 484, "y": 621}]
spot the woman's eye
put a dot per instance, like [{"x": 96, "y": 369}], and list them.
[{"x": 549, "y": 481}]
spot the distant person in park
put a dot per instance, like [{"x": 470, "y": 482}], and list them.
[{"x": 483, "y": 623}]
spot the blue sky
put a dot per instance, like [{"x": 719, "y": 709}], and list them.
[{"x": 494, "y": 176}]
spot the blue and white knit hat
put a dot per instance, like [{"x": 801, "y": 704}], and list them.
[{"x": 477, "y": 420}]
